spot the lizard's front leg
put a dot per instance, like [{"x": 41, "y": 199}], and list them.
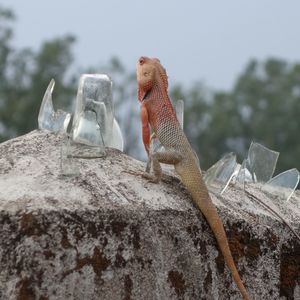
[
  {"x": 170, "y": 157},
  {"x": 152, "y": 137}
]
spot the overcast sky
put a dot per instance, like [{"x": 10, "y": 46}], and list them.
[{"x": 209, "y": 41}]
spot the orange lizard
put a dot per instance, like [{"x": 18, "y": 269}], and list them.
[{"x": 158, "y": 114}]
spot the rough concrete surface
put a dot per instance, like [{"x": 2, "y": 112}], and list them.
[{"x": 109, "y": 234}]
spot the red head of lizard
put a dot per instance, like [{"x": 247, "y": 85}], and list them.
[{"x": 149, "y": 73}]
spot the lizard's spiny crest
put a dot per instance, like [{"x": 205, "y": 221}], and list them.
[{"x": 161, "y": 71}]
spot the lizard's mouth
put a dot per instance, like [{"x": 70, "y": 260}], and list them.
[{"x": 146, "y": 95}]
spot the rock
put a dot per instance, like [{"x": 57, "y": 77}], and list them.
[{"x": 110, "y": 234}]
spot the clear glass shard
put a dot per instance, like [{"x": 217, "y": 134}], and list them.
[
  {"x": 116, "y": 140},
  {"x": 68, "y": 166},
  {"x": 70, "y": 153},
  {"x": 243, "y": 173},
  {"x": 197, "y": 159},
  {"x": 94, "y": 116},
  {"x": 283, "y": 185},
  {"x": 179, "y": 108},
  {"x": 87, "y": 131},
  {"x": 220, "y": 174},
  {"x": 155, "y": 146},
  {"x": 261, "y": 162},
  {"x": 180, "y": 111},
  {"x": 56, "y": 121}
]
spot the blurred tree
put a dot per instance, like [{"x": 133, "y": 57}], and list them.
[
  {"x": 53, "y": 60},
  {"x": 263, "y": 106},
  {"x": 6, "y": 17},
  {"x": 24, "y": 76},
  {"x": 266, "y": 100}
]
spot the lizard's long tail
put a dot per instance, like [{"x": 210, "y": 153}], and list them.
[{"x": 202, "y": 199}]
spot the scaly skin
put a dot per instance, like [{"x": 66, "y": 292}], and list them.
[{"x": 158, "y": 113}]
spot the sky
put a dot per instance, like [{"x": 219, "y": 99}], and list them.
[{"x": 207, "y": 41}]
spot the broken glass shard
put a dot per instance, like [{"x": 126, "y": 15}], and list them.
[
  {"x": 243, "y": 173},
  {"x": 68, "y": 166},
  {"x": 283, "y": 185},
  {"x": 70, "y": 153},
  {"x": 87, "y": 130},
  {"x": 94, "y": 115},
  {"x": 56, "y": 121},
  {"x": 180, "y": 111},
  {"x": 220, "y": 174},
  {"x": 261, "y": 162},
  {"x": 116, "y": 140},
  {"x": 155, "y": 146},
  {"x": 87, "y": 137}
]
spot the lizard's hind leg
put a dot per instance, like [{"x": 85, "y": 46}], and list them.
[{"x": 166, "y": 157}]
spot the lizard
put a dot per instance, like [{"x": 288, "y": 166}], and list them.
[{"x": 159, "y": 120}]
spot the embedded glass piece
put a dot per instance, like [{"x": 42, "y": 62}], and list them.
[
  {"x": 68, "y": 166},
  {"x": 116, "y": 140},
  {"x": 180, "y": 111},
  {"x": 88, "y": 131},
  {"x": 283, "y": 185},
  {"x": 261, "y": 162},
  {"x": 220, "y": 174},
  {"x": 240, "y": 172},
  {"x": 71, "y": 151},
  {"x": 94, "y": 115},
  {"x": 243, "y": 173},
  {"x": 155, "y": 146},
  {"x": 48, "y": 118}
]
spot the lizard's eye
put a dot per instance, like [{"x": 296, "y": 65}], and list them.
[
  {"x": 146, "y": 74},
  {"x": 141, "y": 60}
]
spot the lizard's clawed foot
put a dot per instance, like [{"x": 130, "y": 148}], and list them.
[{"x": 151, "y": 178}]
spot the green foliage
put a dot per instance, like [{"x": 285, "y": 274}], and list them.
[
  {"x": 263, "y": 106},
  {"x": 267, "y": 99},
  {"x": 24, "y": 77},
  {"x": 6, "y": 33}
]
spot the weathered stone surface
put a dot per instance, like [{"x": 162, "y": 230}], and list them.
[{"x": 109, "y": 234}]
